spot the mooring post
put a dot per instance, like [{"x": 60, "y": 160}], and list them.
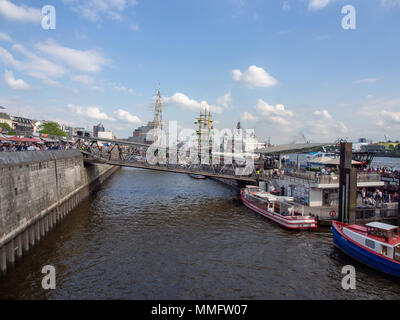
[
  {"x": 298, "y": 162},
  {"x": 398, "y": 202},
  {"x": 347, "y": 185}
]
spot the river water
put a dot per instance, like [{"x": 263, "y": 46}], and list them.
[{"x": 149, "y": 235}]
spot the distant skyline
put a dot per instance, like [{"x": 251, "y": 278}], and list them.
[{"x": 285, "y": 68}]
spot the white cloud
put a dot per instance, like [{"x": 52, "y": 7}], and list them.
[
  {"x": 15, "y": 84},
  {"x": 186, "y": 103},
  {"x": 7, "y": 58},
  {"x": 225, "y": 100},
  {"x": 367, "y": 80},
  {"x": 324, "y": 114},
  {"x": 324, "y": 127},
  {"x": 388, "y": 119},
  {"x": 125, "y": 89},
  {"x": 390, "y": 3},
  {"x": 86, "y": 61},
  {"x": 34, "y": 66},
  {"x": 318, "y": 4},
  {"x": 254, "y": 77},
  {"x": 52, "y": 83},
  {"x": 82, "y": 78},
  {"x": 5, "y": 37},
  {"x": 286, "y": 5},
  {"x": 246, "y": 116},
  {"x": 126, "y": 116},
  {"x": 93, "y": 112},
  {"x": 134, "y": 27},
  {"x": 94, "y": 10},
  {"x": 10, "y": 11},
  {"x": 268, "y": 110},
  {"x": 276, "y": 114}
]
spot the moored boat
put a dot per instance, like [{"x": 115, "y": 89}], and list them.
[
  {"x": 375, "y": 244},
  {"x": 281, "y": 210}
]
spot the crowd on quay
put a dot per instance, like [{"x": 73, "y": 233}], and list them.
[
  {"x": 377, "y": 197},
  {"x": 384, "y": 171},
  {"x": 15, "y": 147}
]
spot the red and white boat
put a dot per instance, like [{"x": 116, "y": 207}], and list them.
[{"x": 281, "y": 210}]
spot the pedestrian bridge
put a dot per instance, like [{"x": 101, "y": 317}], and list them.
[{"x": 132, "y": 161}]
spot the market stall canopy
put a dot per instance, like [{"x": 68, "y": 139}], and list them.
[
  {"x": 22, "y": 139},
  {"x": 3, "y": 138},
  {"x": 49, "y": 140}
]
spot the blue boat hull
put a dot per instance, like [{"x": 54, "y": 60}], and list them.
[{"x": 364, "y": 255}]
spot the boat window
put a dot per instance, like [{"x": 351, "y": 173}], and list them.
[
  {"x": 271, "y": 205},
  {"x": 397, "y": 253},
  {"x": 370, "y": 243},
  {"x": 384, "y": 250}
]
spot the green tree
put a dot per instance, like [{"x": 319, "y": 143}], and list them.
[
  {"x": 5, "y": 126},
  {"x": 52, "y": 128}
]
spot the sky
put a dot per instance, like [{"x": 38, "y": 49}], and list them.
[{"x": 286, "y": 68}]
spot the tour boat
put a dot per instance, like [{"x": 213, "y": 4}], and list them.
[
  {"x": 279, "y": 209},
  {"x": 375, "y": 244}
]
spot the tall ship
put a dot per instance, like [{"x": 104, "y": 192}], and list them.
[
  {"x": 376, "y": 244},
  {"x": 279, "y": 209}
]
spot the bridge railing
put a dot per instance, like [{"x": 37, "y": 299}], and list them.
[{"x": 105, "y": 155}]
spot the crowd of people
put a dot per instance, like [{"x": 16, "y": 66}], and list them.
[
  {"x": 23, "y": 146},
  {"x": 384, "y": 170},
  {"x": 377, "y": 197}
]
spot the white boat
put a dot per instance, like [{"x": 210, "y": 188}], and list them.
[{"x": 279, "y": 209}]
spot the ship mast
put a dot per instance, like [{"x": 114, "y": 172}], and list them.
[
  {"x": 157, "y": 122},
  {"x": 205, "y": 131}
]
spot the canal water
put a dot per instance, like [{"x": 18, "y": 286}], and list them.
[{"x": 150, "y": 235}]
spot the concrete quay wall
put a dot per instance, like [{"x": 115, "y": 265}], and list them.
[{"x": 37, "y": 190}]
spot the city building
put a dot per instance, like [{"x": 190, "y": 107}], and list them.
[
  {"x": 141, "y": 134},
  {"x": 82, "y": 132},
  {"x": 97, "y": 129},
  {"x": 22, "y": 124},
  {"x": 70, "y": 131}
]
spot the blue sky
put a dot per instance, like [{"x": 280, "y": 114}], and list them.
[{"x": 282, "y": 67}]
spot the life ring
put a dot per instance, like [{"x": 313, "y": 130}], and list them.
[{"x": 332, "y": 213}]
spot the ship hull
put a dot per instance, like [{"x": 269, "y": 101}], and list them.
[{"x": 362, "y": 254}]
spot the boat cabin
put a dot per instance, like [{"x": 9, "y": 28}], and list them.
[
  {"x": 382, "y": 230},
  {"x": 277, "y": 204},
  {"x": 379, "y": 237}
]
